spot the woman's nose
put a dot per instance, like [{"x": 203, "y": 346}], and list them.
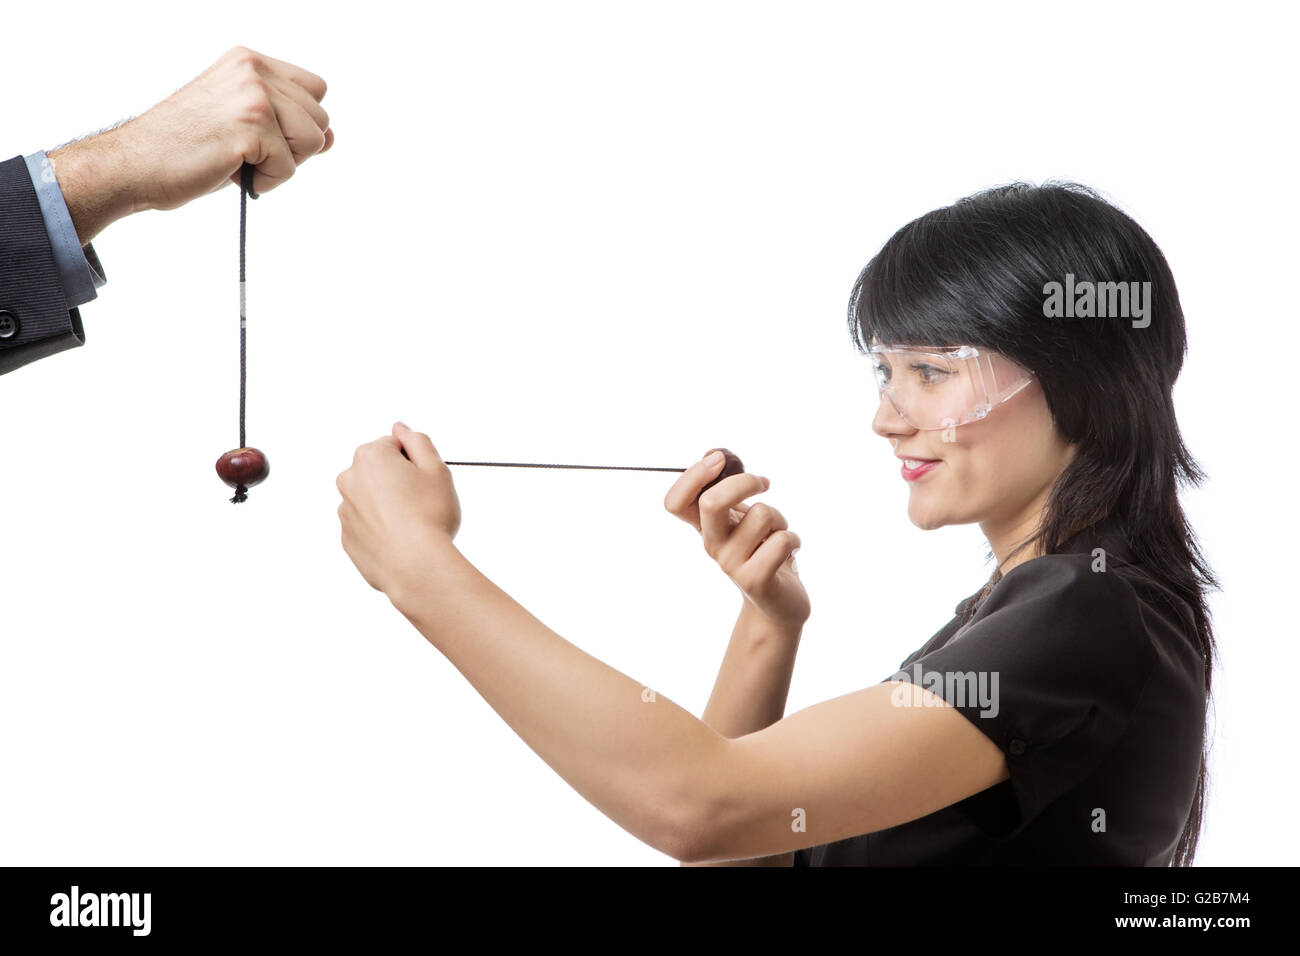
[{"x": 888, "y": 423}]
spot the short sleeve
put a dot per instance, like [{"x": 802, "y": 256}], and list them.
[{"x": 1051, "y": 669}]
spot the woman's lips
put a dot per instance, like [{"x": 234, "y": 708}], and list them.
[{"x": 915, "y": 468}]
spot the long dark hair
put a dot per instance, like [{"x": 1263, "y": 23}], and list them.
[{"x": 974, "y": 273}]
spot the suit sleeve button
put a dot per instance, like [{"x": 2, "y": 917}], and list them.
[
  {"x": 1016, "y": 748},
  {"x": 8, "y": 325}
]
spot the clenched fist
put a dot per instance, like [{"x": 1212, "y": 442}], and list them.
[{"x": 246, "y": 107}]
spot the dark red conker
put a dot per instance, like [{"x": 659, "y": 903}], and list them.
[
  {"x": 731, "y": 466},
  {"x": 243, "y": 466}
]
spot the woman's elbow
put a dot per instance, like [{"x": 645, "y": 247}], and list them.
[
  {"x": 681, "y": 833},
  {"x": 701, "y": 829},
  {"x": 699, "y": 810}
]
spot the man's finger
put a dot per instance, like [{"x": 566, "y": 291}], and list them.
[
  {"x": 276, "y": 166},
  {"x": 297, "y": 94},
  {"x": 299, "y": 128},
  {"x": 308, "y": 80}
]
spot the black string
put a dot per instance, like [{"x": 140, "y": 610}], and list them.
[
  {"x": 245, "y": 192},
  {"x": 520, "y": 464}
]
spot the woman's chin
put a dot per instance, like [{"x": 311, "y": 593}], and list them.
[{"x": 927, "y": 519}]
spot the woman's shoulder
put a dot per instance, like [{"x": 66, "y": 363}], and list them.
[
  {"x": 1095, "y": 565},
  {"x": 1095, "y": 590},
  {"x": 1065, "y": 583}
]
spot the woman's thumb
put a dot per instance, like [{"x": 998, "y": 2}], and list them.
[{"x": 419, "y": 448}]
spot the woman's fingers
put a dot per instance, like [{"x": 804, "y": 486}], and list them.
[
  {"x": 767, "y": 560},
  {"x": 681, "y": 497},
  {"x": 734, "y": 531},
  {"x": 758, "y": 522},
  {"x": 715, "y": 508}
]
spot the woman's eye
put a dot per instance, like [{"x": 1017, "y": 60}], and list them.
[
  {"x": 930, "y": 374},
  {"x": 882, "y": 373}
]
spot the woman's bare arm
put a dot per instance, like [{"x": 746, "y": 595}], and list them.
[
  {"x": 850, "y": 765},
  {"x": 751, "y": 689}
]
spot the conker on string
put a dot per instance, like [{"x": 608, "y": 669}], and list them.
[
  {"x": 731, "y": 466},
  {"x": 241, "y": 469}
]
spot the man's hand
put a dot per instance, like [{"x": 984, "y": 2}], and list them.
[{"x": 246, "y": 107}]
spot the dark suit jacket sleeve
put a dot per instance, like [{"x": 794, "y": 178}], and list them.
[{"x": 35, "y": 320}]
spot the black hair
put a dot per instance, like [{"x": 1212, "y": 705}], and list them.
[{"x": 976, "y": 273}]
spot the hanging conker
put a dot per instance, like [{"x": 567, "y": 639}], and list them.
[
  {"x": 243, "y": 468},
  {"x": 731, "y": 466}
]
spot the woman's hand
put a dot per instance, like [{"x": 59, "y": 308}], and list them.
[
  {"x": 752, "y": 544},
  {"x": 396, "y": 509}
]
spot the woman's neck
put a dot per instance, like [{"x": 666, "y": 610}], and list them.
[{"x": 1006, "y": 534}]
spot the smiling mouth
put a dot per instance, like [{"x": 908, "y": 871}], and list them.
[{"x": 915, "y": 468}]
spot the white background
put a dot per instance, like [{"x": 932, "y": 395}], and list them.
[{"x": 598, "y": 233}]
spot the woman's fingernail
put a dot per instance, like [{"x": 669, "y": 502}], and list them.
[
  {"x": 404, "y": 425},
  {"x": 714, "y": 458}
]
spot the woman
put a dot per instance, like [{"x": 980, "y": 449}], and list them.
[{"x": 1058, "y": 718}]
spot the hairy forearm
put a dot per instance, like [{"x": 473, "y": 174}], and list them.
[
  {"x": 639, "y": 758},
  {"x": 94, "y": 175},
  {"x": 751, "y": 690}
]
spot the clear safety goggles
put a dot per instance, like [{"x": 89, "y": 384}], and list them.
[{"x": 944, "y": 388}]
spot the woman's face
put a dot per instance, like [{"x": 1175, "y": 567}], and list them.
[{"x": 996, "y": 471}]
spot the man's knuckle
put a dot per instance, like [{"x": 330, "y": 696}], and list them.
[
  {"x": 256, "y": 107},
  {"x": 253, "y": 87},
  {"x": 247, "y": 58}
]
